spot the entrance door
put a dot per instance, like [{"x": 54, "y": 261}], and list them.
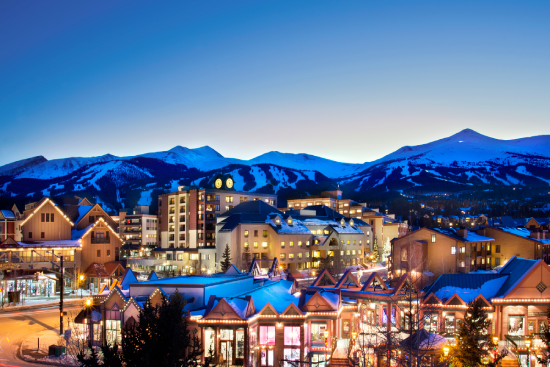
[{"x": 227, "y": 351}]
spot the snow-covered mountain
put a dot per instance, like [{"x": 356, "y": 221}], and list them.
[{"x": 464, "y": 160}]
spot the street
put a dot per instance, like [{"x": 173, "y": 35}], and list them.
[{"x": 16, "y": 326}]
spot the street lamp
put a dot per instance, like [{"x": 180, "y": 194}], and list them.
[
  {"x": 81, "y": 280},
  {"x": 528, "y": 345},
  {"x": 446, "y": 351},
  {"x": 326, "y": 342},
  {"x": 88, "y": 302}
]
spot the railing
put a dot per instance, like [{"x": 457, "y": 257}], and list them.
[{"x": 101, "y": 240}]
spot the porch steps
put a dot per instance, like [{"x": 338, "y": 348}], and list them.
[
  {"x": 509, "y": 362},
  {"x": 339, "y": 362}
]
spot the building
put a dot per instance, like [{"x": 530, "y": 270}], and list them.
[
  {"x": 297, "y": 238},
  {"x": 517, "y": 298},
  {"x": 437, "y": 251},
  {"x": 257, "y": 322},
  {"x": 138, "y": 229},
  {"x": 7, "y": 225},
  {"x": 385, "y": 227},
  {"x": 186, "y": 234},
  {"x": 82, "y": 234}
]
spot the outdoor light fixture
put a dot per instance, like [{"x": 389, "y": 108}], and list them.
[
  {"x": 495, "y": 340},
  {"x": 446, "y": 351},
  {"x": 528, "y": 343},
  {"x": 326, "y": 334},
  {"x": 88, "y": 302},
  {"x": 81, "y": 277}
]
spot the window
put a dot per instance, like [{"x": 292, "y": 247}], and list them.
[
  {"x": 353, "y": 252},
  {"x": 42, "y": 217},
  {"x": 450, "y": 323},
  {"x": 30, "y": 234},
  {"x": 267, "y": 335},
  {"x": 209, "y": 341},
  {"x": 246, "y": 233},
  {"x": 98, "y": 253},
  {"x": 299, "y": 243},
  {"x": 267, "y": 357},
  {"x": 433, "y": 238},
  {"x": 515, "y": 325},
  {"x": 42, "y": 235},
  {"x": 91, "y": 219},
  {"x": 404, "y": 254},
  {"x": 463, "y": 249},
  {"x": 229, "y": 199},
  {"x": 108, "y": 252},
  {"x": 283, "y": 256},
  {"x": 282, "y": 244},
  {"x": 256, "y": 233},
  {"x": 317, "y": 333},
  {"x": 291, "y": 256},
  {"x": 113, "y": 332},
  {"x": 292, "y": 335},
  {"x": 299, "y": 256},
  {"x": 453, "y": 250},
  {"x": 265, "y": 233},
  {"x": 246, "y": 244},
  {"x": 291, "y": 354},
  {"x": 291, "y": 244},
  {"x": 497, "y": 250},
  {"x": 462, "y": 264},
  {"x": 51, "y": 217},
  {"x": 255, "y": 244},
  {"x": 307, "y": 254},
  {"x": 497, "y": 261},
  {"x": 307, "y": 243},
  {"x": 264, "y": 244}
]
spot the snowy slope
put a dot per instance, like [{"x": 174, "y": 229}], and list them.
[{"x": 20, "y": 166}]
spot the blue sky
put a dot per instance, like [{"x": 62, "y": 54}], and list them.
[{"x": 345, "y": 80}]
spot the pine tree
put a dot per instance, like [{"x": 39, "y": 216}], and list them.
[
  {"x": 473, "y": 344},
  {"x": 545, "y": 336},
  {"x": 375, "y": 250},
  {"x": 226, "y": 262}
]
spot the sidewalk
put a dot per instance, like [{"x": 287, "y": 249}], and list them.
[
  {"x": 31, "y": 352},
  {"x": 31, "y": 303}
]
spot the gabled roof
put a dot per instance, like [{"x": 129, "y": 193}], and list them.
[
  {"x": 7, "y": 214},
  {"x": 516, "y": 269},
  {"x": 127, "y": 278},
  {"x": 322, "y": 275},
  {"x": 369, "y": 283},
  {"x": 347, "y": 280},
  {"x": 79, "y": 234},
  {"x": 43, "y": 202},
  {"x": 232, "y": 270}
]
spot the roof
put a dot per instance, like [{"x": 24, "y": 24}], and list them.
[
  {"x": 11, "y": 243},
  {"x": 192, "y": 280},
  {"x": 6, "y": 214},
  {"x": 96, "y": 270},
  {"x": 523, "y": 232},
  {"x": 76, "y": 212},
  {"x": 516, "y": 268},
  {"x": 492, "y": 285},
  {"x": 276, "y": 293},
  {"x": 470, "y": 237},
  {"x": 251, "y": 207}
]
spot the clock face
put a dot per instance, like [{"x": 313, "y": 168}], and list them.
[
  {"x": 229, "y": 183},
  {"x": 218, "y": 183}
]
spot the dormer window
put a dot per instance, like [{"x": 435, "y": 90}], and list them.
[
  {"x": 351, "y": 222},
  {"x": 289, "y": 221},
  {"x": 278, "y": 221},
  {"x": 343, "y": 222}
]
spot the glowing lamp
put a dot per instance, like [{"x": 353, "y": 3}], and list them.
[
  {"x": 446, "y": 351},
  {"x": 81, "y": 277},
  {"x": 326, "y": 334},
  {"x": 88, "y": 302},
  {"x": 528, "y": 343},
  {"x": 495, "y": 340}
]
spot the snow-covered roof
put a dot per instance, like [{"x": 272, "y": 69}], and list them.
[
  {"x": 7, "y": 214},
  {"x": 276, "y": 293},
  {"x": 60, "y": 243},
  {"x": 488, "y": 290},
  {"x": 77, "y": 234},
  {"x": 297, "y": 227},
  {"x": 470, "y": 236},
  {"x": 524, "y": 232}
]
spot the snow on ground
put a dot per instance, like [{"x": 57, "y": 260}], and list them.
[
  {"x": 238, "y": 180},
  {"x": 78, "y": 187},
  {"x": 30, "y": 194},
  {"x": 259, "y": 177},
  {"x": 310, "y": 175},
  {"x": 145, "y": 198},
  {"x": 513, "y": 180},
  {"x": 98, "y": 171},
  {"x": 523, "y": 171},
  {"x": 5, "y": 186},
  {"x": 411, "y": 181},
  {"x": 55, "y": 186},
  {"x": 151, "y": 184}
]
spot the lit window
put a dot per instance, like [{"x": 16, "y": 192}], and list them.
[
  {"x": 433, "y": 238},
  {"x": 246, "y": 244},
  {"x": 299, "y": 243},
  {"x": 291, "y": 244},
  {"x": 453, "y": 250},
  {"x": 255, "y": 244},
  {"x": 267, "y": 335},
  {"x": 264, "y": 244},
  {"x": 282, "y": 245}
]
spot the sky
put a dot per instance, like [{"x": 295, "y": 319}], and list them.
[{"x": 345, "y": 80}]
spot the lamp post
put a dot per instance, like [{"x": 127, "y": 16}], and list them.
[
  {"x": 495, "y": 345},
  {"x": 446, "y": 351},
  {"x": 81, "y": 280},
  {"x": 528, "y": 345},
  {"x": 325, "y": 334}
]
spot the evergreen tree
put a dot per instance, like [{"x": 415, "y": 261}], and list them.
[
  {"x": 473, "y": 344},
  {"x": 226, "y": 262},
  {"x": 545, "y": 336},
  {"x": 375, "y": 250},
  {"x": 159, "y": 339}
]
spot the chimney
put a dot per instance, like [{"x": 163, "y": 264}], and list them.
[
  {"x": 462, "y": 232},
  {"x": 535, "y": 235}
]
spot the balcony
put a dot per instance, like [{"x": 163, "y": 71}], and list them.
[{"x": 101, "y": 240}]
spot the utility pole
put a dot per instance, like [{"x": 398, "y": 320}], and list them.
[{"x": 61, "y": 298}]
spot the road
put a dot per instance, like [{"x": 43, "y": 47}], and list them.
[{"x": 16, "y": 326}]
